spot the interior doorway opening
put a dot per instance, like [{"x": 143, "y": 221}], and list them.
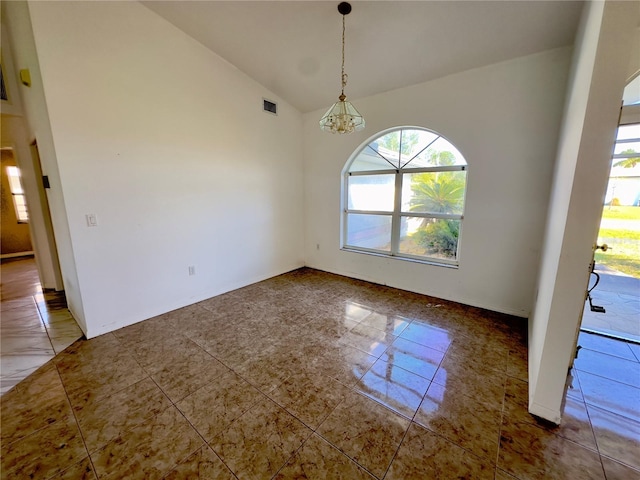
[{"x": 15, "y": 234}]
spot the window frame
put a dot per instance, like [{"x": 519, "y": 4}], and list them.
[
  {"x": 397, "y": 214},
  {"x": 14, "y": 177}
]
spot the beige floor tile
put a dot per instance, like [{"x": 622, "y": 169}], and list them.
[
  {"x": 309, "y": 397},
  {"x": 213, "y": 407},
  {"x": 45, "y": 452},
  {"x": 318, "y": 459},
  {"x": 106, "y": 418},
  {"x": 368, "y": 339},
  {"x": 462, "y": 420},
  {"x": 502, "y": 475},
  {"x": 188, "y": 374},
  {"x": 82, "y": 470},
  {"x": 101, "y": 377},
  {"x": 346, "y": 364},
  {"x": 575, "y": 424},
  {"x": 365, "y": 431},
  {"x": 488, "y": 355},
  {"x": 158, "y": 352},
  {"x": 149, "y": 450},
  {"x": 472, "y": 379},
  {"x": 529, "y": 452},
  {"x": 263, "y": 372},
  {"x": 517, "y": 367},
  {"x": 204, "y": 464},
  {"x": 423, "y": 454},
  {"x": 617, "y": 471},
  {"x": 308, "y": 340},
  {"x": 261, "y": 441}
]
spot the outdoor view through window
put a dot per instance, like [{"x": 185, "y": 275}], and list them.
[{"x": 404, "y": 197}]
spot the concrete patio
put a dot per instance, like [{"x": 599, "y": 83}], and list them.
[{"x": 619, "y": 294}]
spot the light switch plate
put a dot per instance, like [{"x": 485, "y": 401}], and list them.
[{"x": 92, "y": 220}]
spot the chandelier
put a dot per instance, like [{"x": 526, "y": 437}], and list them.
[{"x": 342, "y": 117}]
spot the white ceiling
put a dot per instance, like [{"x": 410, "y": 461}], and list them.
[{"x": 293, "y": 47}]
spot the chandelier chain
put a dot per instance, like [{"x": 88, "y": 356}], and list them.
[
  {"x": 343, "y": 78},
  {"x": 342, "y": 117}
]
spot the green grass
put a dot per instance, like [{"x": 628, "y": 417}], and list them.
[
  {"x": 621, "y": 213},
  {"x": 621, "y": 235},
  {"x": 624, "y": 255}
]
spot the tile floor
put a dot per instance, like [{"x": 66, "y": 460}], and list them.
[
  {"x": 313, "y": 375},
  {"x": 34, "y": 325}
]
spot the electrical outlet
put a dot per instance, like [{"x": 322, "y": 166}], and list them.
[{"x": 192, "y": 270}]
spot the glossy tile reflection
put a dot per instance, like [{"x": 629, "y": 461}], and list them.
[
  {"x": 394, "y": 387},
  {"x": 617, "y": 437},
  {"x": 306, "y": 375},
  {"x": 610, "y": 366}
]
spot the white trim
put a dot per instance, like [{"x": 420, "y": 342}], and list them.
[
  {"x": 16, "y": 254},
  {"x": 396, "y": 219},
  {"x": 630, "y": 114},
  {"x": 388, "y": 213},
  {"x": 435, "y": 294},
  {"x": 625, "y": 155},
  {"x": 403, "y": 256},
  {"x": 390, "y": 171},
  {"x": 549, "y": 414},
  {"x": 441, "y": 216}
]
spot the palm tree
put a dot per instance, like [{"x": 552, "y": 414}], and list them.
[
  {"x": 438, "y": 192},
  {"x": 628, "y": 162}
]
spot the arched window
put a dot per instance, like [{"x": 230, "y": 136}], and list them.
[{"x": 404, "y": 197}]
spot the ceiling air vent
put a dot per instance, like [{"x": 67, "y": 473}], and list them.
[{"x": 269, "y": 106}]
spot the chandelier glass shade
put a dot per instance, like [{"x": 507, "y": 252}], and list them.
[{"x": 342, "y": 117}]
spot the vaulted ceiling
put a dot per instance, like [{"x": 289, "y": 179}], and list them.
[{"x": 293, "y": 47}]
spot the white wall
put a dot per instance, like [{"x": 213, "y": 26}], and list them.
[
  {"x": 599, "y": 73},
  {"x": 55, "y": 259},
  {"x": 167, "y": 145},
  {"x": 504, "y": 118}
]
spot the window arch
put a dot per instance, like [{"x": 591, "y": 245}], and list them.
[{"x": 404, "y": 195}]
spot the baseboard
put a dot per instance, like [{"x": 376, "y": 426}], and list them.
[
  {"x": 545, "y": 413},
  {"x": 16, "y": 254},
  {"x": 440, "y": 295}
]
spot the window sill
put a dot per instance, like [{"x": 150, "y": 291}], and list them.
[{"x": 432, "y": 262}]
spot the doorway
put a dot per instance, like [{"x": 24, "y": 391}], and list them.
[
  {"x": 613, "y": 306},
  {"x": 15, "y": 234}
]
